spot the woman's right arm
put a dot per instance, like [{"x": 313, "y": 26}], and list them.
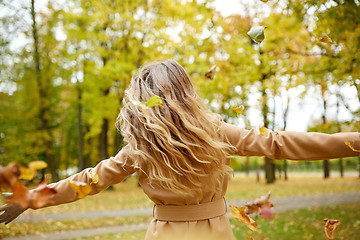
[{"x": 291, "y": 145}]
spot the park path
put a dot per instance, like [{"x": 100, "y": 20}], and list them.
[{"x": 281, "y": 205}]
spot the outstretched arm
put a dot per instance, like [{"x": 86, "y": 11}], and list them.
[
  {"x": 290, "y": 145},
  {"x": 109, "y": 171}
]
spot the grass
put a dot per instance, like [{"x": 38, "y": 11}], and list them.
[{"x": 295, "y": 225}]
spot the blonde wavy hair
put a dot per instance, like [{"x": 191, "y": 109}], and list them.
[{"x": 177, "y": 143}]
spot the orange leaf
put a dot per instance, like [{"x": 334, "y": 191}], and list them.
[
  {"x": 264, "y": 1},
  {"x": 20, "y": 196},
  {"x": 239, "y": 214},
  {"x": 211, "y": 73},
  {"x": 238, "y": 110},
  {"x": 41, "y": 196},
  {"x": 249, "y": 238},
  {"x": 82, "y": 189},
  {"x": 325, "y": 39},
  {"x": 259, "y": 204},
  {"x": 264, "y": 131},
  {"x": 347, "y": 143},
  {"x": 9, "y": 175},
  {"x": 330, "y": 226}
]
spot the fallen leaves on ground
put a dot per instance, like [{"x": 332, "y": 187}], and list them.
[
  {"x": 330, "y": 226},
  {"x": 239, "y": 214}
]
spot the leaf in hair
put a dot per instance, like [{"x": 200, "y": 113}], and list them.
[
  {"x": 238, "y": 110},
  {"x": 154, "y": 101}
]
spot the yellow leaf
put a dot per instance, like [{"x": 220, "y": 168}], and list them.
[
  {"x": 82, "y": 189},
  {"x": 37, "y": 165},
  {"x": 325, "y": 39},
  {"x": 330, "y": 226},
  {"x": 27, "y": 173},
  {"x": 239, "y": 214},
  {"x": 238, "y": 110},
  {"x": 154, "y": 101},
  {"x": 347, "y": 143},
  {"x": 264, "y": 131},
  {"x": 264, "y": 1},
  {"x": 94, "y": 176}
]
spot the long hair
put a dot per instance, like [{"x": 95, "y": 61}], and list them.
[{"x": 175, "y": 144}]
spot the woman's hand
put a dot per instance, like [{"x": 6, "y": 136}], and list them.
[{"x": 9, "y": 212}]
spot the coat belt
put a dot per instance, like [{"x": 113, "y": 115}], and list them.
[{"x": 186, "y": 213}]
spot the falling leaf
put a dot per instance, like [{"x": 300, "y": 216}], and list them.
[
  {"x": 330, "y": 226},
  {"x": 264, "y": 1},
  {"x": 41, "y": 196},
  {"x": 20, "y": 196},
  {"x": 154, "y": 101},
  {"x": 27, "y": 173},
  {"x": 264, "y": 131},
  {"x": 94, "y": 176},
  {"x": 325, "y": 39},
  {"x": 211, "y": 73},
  {"x": 82, "y": 189},
  {"x": 239, "y": 214},
  {"x": 266, "y": 212},
  {"x": 256, "y": 33},
  {"x": 37, "y": 165},
  {"x": 261, "y": 205},
  {"x": 249, "y": 238},
  {"x": 347, "y": 143},
  {"x": 238, "y": 110},
  {"x": 36, "y": 198},
  {"x": 9, "y": 175}
]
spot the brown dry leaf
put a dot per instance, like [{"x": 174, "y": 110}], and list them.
[
  {"x": 211, "y": 73},
  {"x": 259, "y": 203},
  {"x": 264, "y": 131},
  {"x": 82, "y": 189},
  {"x": 238, "y": 110},
  {"x": 20, "y": 196},
  {"x": 330, "y": 226},
  {"x": 326, "y": 39},
  {"x": 239, "y": 214},
  {"x": 347, "y": 143},
  {"x": 9, "y": 175},
  {"x": 249, "y": 238},
  {"x": 40, "y": 196}
]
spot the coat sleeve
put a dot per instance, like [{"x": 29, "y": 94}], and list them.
[
  {"x": 110, "y": 171},
  {"x": 291, "y": 145}
]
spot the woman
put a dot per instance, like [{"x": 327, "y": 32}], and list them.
[{"x": 181, "y": 152}]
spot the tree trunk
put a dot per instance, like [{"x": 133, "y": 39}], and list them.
[
  {"x": 46, "y": 135},
  {"x": 103, "y": 139},
  {"x": 338, "y": 99},
  {"x": 247, "y": 165},
  {"x": 326, "y": 163},
  {"x": 81, "y": 165},
  {"x": 285, "y": 170}
]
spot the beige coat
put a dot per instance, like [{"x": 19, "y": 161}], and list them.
[{"x": 277, "y": 145}]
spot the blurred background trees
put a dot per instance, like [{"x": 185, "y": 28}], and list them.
[{"x": 65, "y": 65}]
